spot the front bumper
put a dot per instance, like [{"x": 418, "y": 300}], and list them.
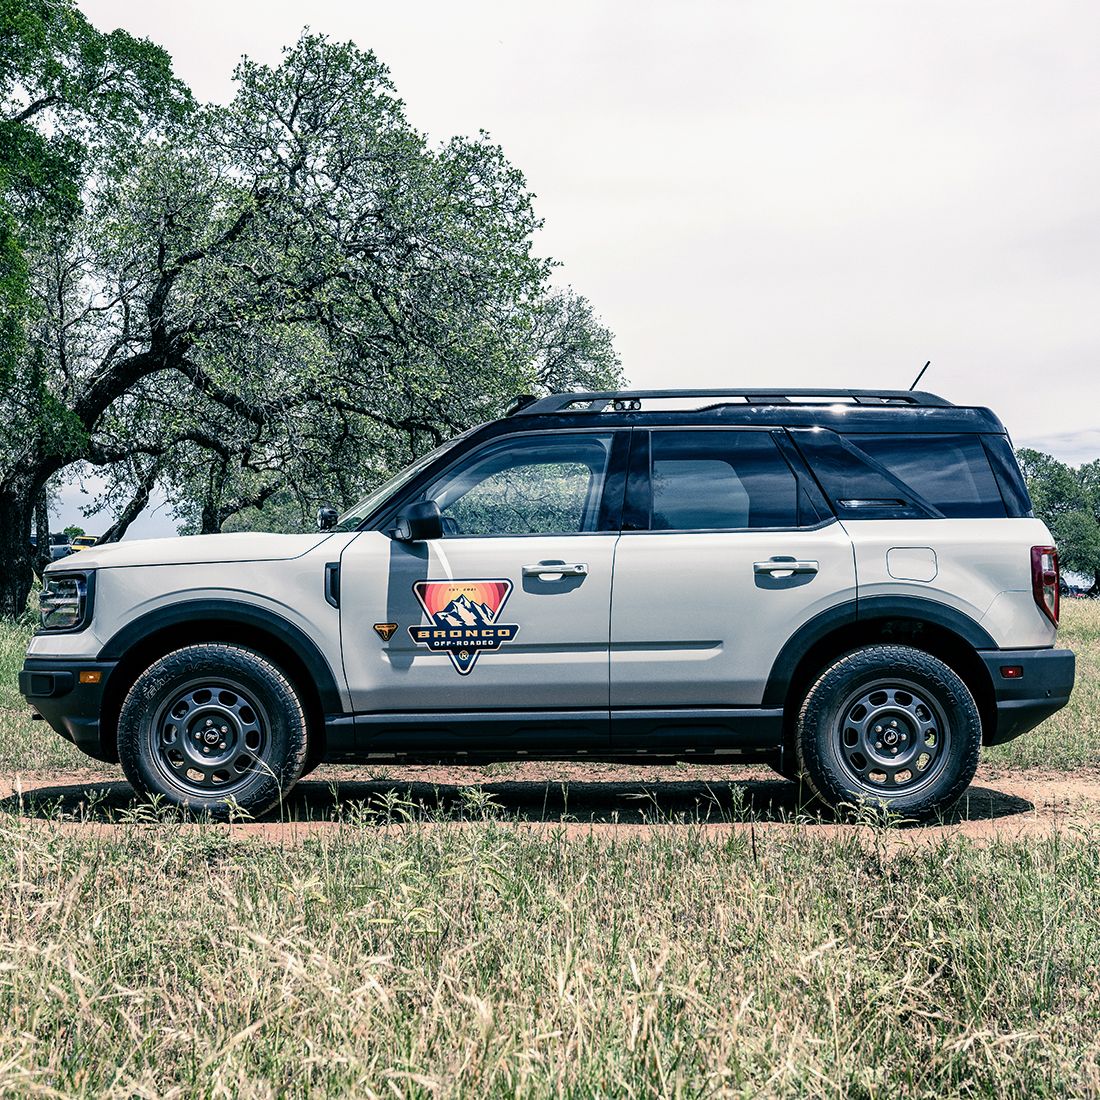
[
  {"x": 1024, "y": 700},
  {"x": 53, "y": 688}
]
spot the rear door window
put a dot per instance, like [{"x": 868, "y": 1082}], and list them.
[{"x": 720, "y": 480}]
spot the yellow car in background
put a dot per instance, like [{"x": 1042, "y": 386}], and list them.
[{"x": 84, "y": 542}]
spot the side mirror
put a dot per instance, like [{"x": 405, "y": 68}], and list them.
[
  {"x": 327, "y": 517},
  {"x": 420, "y": 522}
]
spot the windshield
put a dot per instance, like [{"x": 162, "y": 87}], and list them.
[{"x": 352, "y": 518}]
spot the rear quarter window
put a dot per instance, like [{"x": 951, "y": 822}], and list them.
[{"x": 950, "y": 472}]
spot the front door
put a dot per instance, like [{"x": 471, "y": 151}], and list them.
[
  {"x": 496, "y": 635},
  {"x": 732, "y": 551}
]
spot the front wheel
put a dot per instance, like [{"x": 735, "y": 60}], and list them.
[
  {"x": 889, "y": 725},
  {"x": 213, "y": 727}
]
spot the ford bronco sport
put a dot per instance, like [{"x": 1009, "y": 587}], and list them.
[{"x": 847, "y": 584}]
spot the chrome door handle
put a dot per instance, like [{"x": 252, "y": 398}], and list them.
[
  {"x": 555, "y": 569},
  {"x": 784, "y": 565}
]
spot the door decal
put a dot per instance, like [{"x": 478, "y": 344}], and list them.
[{"x": 463, "y": 617}]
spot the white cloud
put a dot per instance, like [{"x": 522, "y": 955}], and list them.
[{"x": 1074, "y": 448}]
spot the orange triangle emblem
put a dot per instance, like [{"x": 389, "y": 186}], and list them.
[{"x": 385, "y": 631}]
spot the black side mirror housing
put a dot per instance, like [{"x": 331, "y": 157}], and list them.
[
  {"x": 327, "y": 517},
  {"x": 420, "y": 522}
]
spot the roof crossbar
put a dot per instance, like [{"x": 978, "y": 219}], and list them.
[{"x": 631, "y": 400}]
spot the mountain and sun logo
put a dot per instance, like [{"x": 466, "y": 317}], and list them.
[{"x": 464, "y": 618}]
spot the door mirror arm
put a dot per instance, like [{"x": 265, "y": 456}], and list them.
[{"x": 420, "y": 522}]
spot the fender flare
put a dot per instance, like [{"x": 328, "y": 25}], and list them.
[
  {"x": 863, "y": 610},
  {"x": 238, "y": 613}
]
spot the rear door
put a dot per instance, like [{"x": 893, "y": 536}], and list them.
[{"x": 727, "y": 549}]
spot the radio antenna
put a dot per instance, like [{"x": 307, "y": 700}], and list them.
[{"x": 921, "y": 375}]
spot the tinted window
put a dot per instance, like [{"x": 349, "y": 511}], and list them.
[
  {"x": 527, "y": 485},
  {"x": 1007, "y": 472},
  {"x": 951, "y": 472},
  {"x": 718, "y": 480}
]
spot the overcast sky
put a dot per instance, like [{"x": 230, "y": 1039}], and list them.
[{"x": 769, "y": 193}]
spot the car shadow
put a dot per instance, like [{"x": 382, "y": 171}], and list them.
[{"x": 587, "y": 802}]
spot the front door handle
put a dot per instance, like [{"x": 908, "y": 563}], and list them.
[
  {"x": 783, "y": 565},
  {"x": 556, "y": 569}
]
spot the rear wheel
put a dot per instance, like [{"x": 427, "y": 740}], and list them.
[
  {"x": 893, "y": 726},
  {"x": 210, "y": 727}
]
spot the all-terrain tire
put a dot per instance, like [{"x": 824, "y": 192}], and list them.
[
  {"x": 876, "y": 714},
  {"x": 213, "y": 727}
]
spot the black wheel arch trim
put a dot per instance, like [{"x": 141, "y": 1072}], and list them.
[
  {"x": 239, "y": 614},
  {"x": 866, "y": 609}
]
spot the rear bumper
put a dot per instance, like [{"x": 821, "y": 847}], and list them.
[
  {"x": 52, "y": 686},
  {"x": 1024, "y": 701}
]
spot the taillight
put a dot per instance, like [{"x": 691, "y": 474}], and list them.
[{"x": 1044, "y": 580}]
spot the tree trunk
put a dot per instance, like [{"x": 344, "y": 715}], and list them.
[
  {"x": 41, "y": 532},
  {"x": 209, "y": 524},
  {"x": 211, "y": 517},
  {"x": 17, "y": 573}
]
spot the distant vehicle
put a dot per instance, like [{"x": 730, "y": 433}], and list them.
[
  {"x": 60, "y": 546},
  {"x": 84, "y": 542},
  {"x": 850, "y": 586}
]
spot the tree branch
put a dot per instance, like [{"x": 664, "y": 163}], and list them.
[{"x": 138, "y": 503}]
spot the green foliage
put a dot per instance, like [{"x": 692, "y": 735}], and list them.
[
  {"x": 73, "y": 102},
  {"x": 275, "y": 302},
  {"x": 73, "y": 530},
  {"x": 358, "y": 294},
  {"x": 1068, "y": 502}
]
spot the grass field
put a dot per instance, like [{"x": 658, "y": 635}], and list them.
[
  {"x": 481, "y": 961},
  {"x": 463, "y": 955}
]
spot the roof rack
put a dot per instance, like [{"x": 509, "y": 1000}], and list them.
[{"x": 631, "y": 400}]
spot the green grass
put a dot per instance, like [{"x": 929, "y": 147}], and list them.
[
  {"x": 1071, "y": 738},
  {"x": 27, "y": 746}
]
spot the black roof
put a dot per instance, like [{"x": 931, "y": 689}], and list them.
[{"x": 839, "y": 409}]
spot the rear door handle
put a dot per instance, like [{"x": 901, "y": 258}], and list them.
[
  {"x": 556, "y": 569},
  {"x": 784, "y": 565}
]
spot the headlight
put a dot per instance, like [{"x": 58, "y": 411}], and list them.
[{"x": 65, "y": 603}]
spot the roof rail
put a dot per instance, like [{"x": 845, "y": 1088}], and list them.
[{"x": 631, "y": 400}]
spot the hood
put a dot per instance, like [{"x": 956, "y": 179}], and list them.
[{"x": 191, "y": 550}]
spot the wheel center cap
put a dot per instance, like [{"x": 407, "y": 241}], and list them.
[
  {"x": 211, "y": 736},
  {"x": 890, "y": 737}
]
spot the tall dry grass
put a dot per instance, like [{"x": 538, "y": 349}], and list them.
[{"x": 476, "y": 960}]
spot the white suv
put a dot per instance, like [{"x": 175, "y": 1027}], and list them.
[{"x": 849, "y": 585}]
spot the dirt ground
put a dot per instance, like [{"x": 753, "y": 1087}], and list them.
[{"x": 588, "y": 799}]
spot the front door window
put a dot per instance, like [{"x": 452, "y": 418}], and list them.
[{"x": 528, "y": 485}]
